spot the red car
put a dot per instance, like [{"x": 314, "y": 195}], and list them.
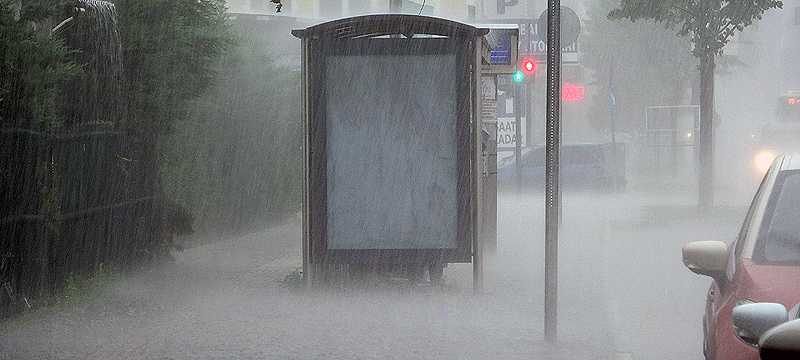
[{"x": 761, "y": 265}]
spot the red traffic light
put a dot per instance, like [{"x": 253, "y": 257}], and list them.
[
  {"x": 528, "y": 65},
  {"x": 793, "y": 101}
]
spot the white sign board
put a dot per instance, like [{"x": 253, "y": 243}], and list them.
[
  {"x": 532, "y": 41},
  {"x": 507, "y": 133},
  {"x": 392, "y": 153}
]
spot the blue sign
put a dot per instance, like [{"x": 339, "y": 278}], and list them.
[{"x": 501, "y": 54}]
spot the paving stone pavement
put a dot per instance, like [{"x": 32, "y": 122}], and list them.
[{"x": 225, "y": 300}]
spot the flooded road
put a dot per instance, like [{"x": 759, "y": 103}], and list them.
[
  {"x": 622, "y": 287},
  {"x": 623, "y": 294}
]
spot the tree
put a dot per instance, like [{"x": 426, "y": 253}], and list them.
[
  {"x": 170, "y": 50},
  {"x": 32, "y": 65},
  {"x": 236, "y": 161},
  {"x": 650, "y": 65},
  {"x": 710, "y": 25}
]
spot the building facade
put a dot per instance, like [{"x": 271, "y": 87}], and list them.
[{"x": 331, "y": 9}]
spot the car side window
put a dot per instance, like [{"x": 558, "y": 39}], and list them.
[
  {"x": 777, "y": 239},
  {"x": 741, "y": 239},
  {"x": 743, "y": 231}
]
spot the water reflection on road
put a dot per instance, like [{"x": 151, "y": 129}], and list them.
[
  {"x": 623, "y": 290},
  {"x": 623, "y": 287}
]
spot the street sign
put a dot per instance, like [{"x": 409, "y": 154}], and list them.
[
  {"x": 507, "y": 133},
  {"x": 505, "y": 9},
  {"x": 570, "y": 25},
  {"x": 532, "y": 41},
  {"x": 506, "y": 118},
  {"x": 500, "y": 41}
]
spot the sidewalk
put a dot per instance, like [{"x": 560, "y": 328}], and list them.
[{"x": 224, "y": 301}]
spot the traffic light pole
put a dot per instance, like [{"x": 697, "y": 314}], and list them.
[
  {"x": 612, "y": 117},
  {"x": 518, "y": 134},
  {"x": 530, "y": 88},
  {"x": 552, "y": 198}
]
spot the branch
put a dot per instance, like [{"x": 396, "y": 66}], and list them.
[{"x": 685, "y": 11}]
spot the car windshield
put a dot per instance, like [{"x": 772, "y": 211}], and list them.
[{"x": 779, "y": 240}]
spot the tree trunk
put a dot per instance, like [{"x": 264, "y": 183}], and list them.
[{"x": 705, "y": 189}]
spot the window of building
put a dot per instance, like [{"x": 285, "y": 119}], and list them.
[{"x": 797, "y": 15}]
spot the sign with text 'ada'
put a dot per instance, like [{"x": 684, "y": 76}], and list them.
[{"x": 507, "y": 133}]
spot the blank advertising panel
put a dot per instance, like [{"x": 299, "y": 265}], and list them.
[{"x": 392, "y": 164}]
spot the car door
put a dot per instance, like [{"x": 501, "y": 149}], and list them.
[{"x": 721, "y": 294}]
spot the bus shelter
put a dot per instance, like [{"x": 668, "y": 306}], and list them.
[{"x": 395, "y": 162}]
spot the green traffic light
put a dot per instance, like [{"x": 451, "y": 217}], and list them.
[{"x": 518, "y": 77}]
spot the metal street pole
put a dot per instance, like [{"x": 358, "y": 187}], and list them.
[
  {"x": 518, "y": 134},
  {"x": 612, "y": 114},
  {"x": 552, "y": 198},
  {"x": 530, "y": 88}
]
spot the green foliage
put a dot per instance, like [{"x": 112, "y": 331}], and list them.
[
  {"x": 710, "y": 23},
  {"x": 648, "y": 63},
  {"x": 235, "y": 160},
  {"x": 170, "y": 49},
  {"x": 33, "y": 64}
]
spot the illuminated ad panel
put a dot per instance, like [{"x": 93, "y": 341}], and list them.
[{"x": 392, "y": 164}]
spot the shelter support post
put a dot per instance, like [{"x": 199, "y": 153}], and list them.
[
  {"x": 304, "y": 113},
  {"x": 478, "y": 244}
]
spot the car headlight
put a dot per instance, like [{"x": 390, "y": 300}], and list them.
[{"x": 763, "y": 160}]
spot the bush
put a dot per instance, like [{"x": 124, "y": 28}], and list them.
[{"x": 235, "y": 160}]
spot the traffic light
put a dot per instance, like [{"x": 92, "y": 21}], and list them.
[
  {"x": 528, "y": 65},
  {"x": 789, "y": 108},
  {"x": 525, "y": 68},
  {"x": 518, "y": 77}
]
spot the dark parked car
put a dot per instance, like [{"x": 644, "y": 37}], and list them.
[{"x": 590, "y": 166}]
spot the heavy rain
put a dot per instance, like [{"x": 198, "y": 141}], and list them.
[{"x": 399, "y": 179}]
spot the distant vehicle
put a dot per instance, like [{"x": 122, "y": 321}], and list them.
[
  {"x": 587, "y": 165},
  {"x": 779, "y": 136},
  {"x": 761, "y": 265}
]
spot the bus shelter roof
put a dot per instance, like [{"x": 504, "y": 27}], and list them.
[{"x": 389, "y": 24}]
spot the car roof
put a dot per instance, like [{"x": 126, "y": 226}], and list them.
[{"x": 790, "y": 162}]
